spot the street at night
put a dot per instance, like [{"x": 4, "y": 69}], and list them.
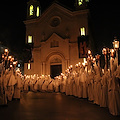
[
  {"x": 53, "y": 106},
  {"x": 60, "y": 60}
]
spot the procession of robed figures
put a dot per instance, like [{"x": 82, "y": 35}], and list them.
[{"x": 84, "y": 80}]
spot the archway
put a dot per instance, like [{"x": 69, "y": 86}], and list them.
[
  {"x": 55, "y": 61},
  {"x": 55, "y": 67}
]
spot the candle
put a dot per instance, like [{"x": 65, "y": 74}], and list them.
[
  {"x": 11, "y": 66},
  {"x": 89, "y": 52},
  {"x": 76, "y": 65},
  {"x": 103, "y": 71},
  {"x": 9, "y": 57},
  {"x": 3, "y": 56}
]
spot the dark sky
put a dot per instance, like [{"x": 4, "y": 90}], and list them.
[{"x": 105, "y": 17}]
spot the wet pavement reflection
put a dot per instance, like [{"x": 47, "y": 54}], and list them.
[{"x": 53, "y": 106}]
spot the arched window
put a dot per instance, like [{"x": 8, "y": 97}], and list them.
[
  {"x": 80, "y": 2},
  {"x": 28, "y": 66},
  {"x": 31, "y": 10},
  {"x": 38, "y": 12},
  {"x": 87, "y": 0},
  {"x": 30, "y": 39},
  {"x": 83, "y": 31}
]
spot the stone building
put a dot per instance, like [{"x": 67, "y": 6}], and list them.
[{"x": 55, "y": 35}]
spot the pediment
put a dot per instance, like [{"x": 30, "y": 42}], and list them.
[{"x": 53, "y": 37}]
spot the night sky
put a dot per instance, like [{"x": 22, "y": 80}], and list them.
[{"x": 105, "y": 18}]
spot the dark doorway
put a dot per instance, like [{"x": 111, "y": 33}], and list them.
[{"x": 55, "y": 70}]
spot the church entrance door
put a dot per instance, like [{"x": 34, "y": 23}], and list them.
[{"x": 55, "y": 70}]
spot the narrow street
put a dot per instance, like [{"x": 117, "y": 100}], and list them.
[{"x": 53, "y": 106}]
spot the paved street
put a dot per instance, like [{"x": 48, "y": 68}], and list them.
[{"x": 53, "y": 106}]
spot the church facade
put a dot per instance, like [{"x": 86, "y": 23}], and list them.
[{"x": 55, "y": 37}]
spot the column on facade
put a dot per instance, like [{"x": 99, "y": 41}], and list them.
[{"x": 43, "y": 68}]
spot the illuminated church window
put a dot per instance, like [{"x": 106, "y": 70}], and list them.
[
  {"x": 30, "y": 39},
  {"x": 83, "y": 31},
  {"x": 28, "y": 66},
  {"x": 80, "y": 2},
  {"x": 38, "y": 13},
  {"x": 31, "y": 10}
]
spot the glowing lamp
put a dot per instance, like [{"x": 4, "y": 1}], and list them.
[
  {"x": 116, "y": 44},
  {"x": 104, "y": 51},
  {"x": 6, "y": 51}
]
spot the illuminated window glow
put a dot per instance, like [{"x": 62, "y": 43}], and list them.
[
  {"x": 38, "y": 13},
  {"x": 28, "y": 66},
  {"x": 31, "y": 10},
  {"x": 87, "y": 0},
  {"x": 82, "y": 31},
  {"x": 80, "y": 2},
  {"x": 30, "y": 39}
]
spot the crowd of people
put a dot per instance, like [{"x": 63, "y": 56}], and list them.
[
  {"x": 10, "y": 85},
  {"x": 84, "y": 80}
]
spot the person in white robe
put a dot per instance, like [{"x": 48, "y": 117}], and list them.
[
  {"x": 104, "y": 91},
  {"x": 84, "y": 82},
  {"x": 41, "y": 82},
  {"x": 63, "y": 84},
  {"x": 97, "y": 85},
  {"x": 90, "y": 81},
  {"x": 17, "y": 90},
  {"x": 11, "y": 84},
  {"x": 57, "y": 84},
  {"x": 50, "y": 84},
  {"x": 26, "y": 83},
  {"x": 36, "y": 85},
  {"x": 114, "y": 96},
  {"x": 3, "y": 95},
  {"x": 80, "y": 82},
  {"x": 75, "y": 85},
  {"x": 45, "y": 84},
  {"x": 67, "y": 91},
  {"x": 31, "y": 85},
  {"x": 80, "y": 88},
  {"x": 114, "y": 90}
]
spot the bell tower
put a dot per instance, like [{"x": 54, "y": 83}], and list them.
[
  {"x": 81, "y": 4},
  {"x": 33, "y": 9}
]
